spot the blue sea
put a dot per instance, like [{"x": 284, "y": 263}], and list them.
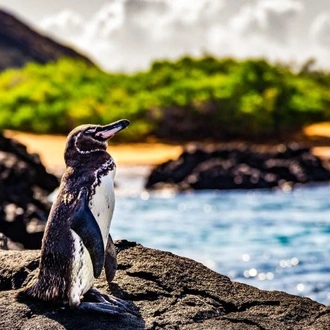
[{"x": 274, "y": 240}]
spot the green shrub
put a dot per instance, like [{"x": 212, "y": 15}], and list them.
[{"x": 184, "y": 99}]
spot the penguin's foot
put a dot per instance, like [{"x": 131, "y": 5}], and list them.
[{"x": 104, "y": 304}]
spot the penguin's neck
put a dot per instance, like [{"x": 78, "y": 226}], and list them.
[{"x": 95, "y": 160}]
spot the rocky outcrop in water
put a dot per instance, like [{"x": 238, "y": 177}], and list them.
[
  {"x": 24, "y": 189},
  {"x": 240, "y": 167},
  {"x": 19, "y": 44},
  {"x": 169, "y": 291}
]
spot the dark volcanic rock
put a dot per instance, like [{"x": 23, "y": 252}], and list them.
[
  {"x": 19, "y": 45},
  {"x": 24, "y": 188},
  {"x": 240, "y": 167},
  {"x": 170, "y": 292}
]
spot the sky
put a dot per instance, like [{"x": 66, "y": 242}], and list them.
[{"x": 127, "y": 35}]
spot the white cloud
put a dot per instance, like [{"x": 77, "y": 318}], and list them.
[
  {"x": 320, "y": 29},
  {"x": 109, "y": 19},
  {"x": 129, "y": 34},
  {"x": 267, "y": 17},
  {"x": 66, "y": 23},
  {"x": 260, "y": 29}
]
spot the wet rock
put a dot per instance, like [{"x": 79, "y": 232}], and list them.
[
  {"x": 170, "y": 292},
  {"x": 24, "y": 189},
  {"x": 240, "y": 167}
]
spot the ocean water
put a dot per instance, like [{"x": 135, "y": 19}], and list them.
[{"x": 273, "y": 240}]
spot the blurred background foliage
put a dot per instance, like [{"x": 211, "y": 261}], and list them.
[{"x": 187, "y": 99}]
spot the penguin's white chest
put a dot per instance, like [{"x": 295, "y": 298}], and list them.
[
  {"x": 82, "y": 271},
  {"x": 102, "y": 204}
]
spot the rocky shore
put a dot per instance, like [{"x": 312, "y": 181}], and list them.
[
  {"x": 240, "y": 166},
  {"x": 170, "y": 292},
  {"x": 24, "y": 188}
]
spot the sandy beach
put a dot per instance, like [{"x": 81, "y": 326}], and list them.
[{"x": 51, "y": 149}]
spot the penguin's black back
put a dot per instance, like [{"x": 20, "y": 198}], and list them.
[{"x": 56, "y": 262}]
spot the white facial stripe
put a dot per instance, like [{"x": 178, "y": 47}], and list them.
[
  {"x": 91, "y": 130},
  {"x": 84, "y": 152}
]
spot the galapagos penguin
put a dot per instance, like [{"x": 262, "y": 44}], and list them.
[{"x": 76, "y": 243}]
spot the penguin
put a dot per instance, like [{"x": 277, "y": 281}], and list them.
[{"x": 76, "y": 244}]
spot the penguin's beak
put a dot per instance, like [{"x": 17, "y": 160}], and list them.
[{"x": 108, "y": 131}]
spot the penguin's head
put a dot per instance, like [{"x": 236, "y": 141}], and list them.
[{"x": 86, "y": 139}]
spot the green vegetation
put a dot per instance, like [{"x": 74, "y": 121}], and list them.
[{"x": 185, "y": 99}]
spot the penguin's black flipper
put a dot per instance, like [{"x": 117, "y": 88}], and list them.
[
  {"x": 85, "y": 225},
  {"x": 110, "y": 263}
]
